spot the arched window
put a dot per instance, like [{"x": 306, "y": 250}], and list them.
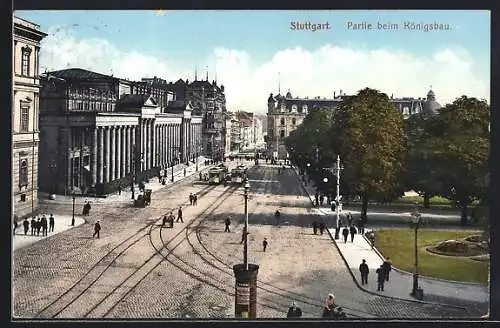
[
  {"x": 23, "y": 173},
  {"x": 282, "y": 121},
  {"x": 294, "y": 121},
  {"x": 304, "y": 109},
  {"x": 282, "y": 133},
  {"x": 294, "y": 108}
]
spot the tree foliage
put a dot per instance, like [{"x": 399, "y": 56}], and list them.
[{"x": 368, "y": 133}]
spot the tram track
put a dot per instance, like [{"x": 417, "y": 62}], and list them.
[{"x": 103, "y": 266}]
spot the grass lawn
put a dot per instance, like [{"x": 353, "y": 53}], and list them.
[
  {"x": 436, "y": 200},
  {"x": 398, "y": 244}
]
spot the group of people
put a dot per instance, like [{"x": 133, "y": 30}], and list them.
[
  {"x": 193, "y": 199},
  {"x": 382, "y": 273},
  {"x": 318, "y": 226},
  {"x": 37, "y": 224},
  {"x": 244, "y": 233},
  {"x": 171, "y": 217},
  {"x": 330, "y": 310}
]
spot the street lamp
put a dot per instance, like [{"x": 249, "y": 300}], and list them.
[
  {"x": 175, "y": 160},
  {"x": 245, "y": 248},
  {"x": 53, "y": 167},
  {"x": 416, "y": 220},
  {"x": 73, "y": 216}
]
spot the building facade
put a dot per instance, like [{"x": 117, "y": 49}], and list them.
[
  {"x": 25, "y": 112},
  {"x": 99, "y": 131},
  {"x": 257, "y": 131},
  {"x": 286, "y": 113},
  {"x": 247, "y": 129},
  {"x": 209, "y": 101}
]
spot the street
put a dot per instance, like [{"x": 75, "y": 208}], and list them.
[{"x": 137, "y": 269}]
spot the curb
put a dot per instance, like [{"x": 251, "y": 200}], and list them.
[
  {"x": 354, "y": 277},
  {"x": 426, "y": 277}
]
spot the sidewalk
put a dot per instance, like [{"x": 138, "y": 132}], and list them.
[
  {"x": 62, "y": 223},
  {"x": 126, "y": 194},
  {"x": 400, "y": 282}
]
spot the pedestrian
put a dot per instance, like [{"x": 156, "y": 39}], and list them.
[
  {"x": 33, "y": 225},
  {"x": 322, "y": 227},
  {"x": 195, "y": 199},
  {"x": 363, "y": 269},
  {"x": 243, "y": 235},
  {"x": 315, "y": 227},
  {"x": 353, "y": 231},
  {"x": 361, "y": 226},
  {"x": 329, "y": 306},
  {"x": 171, "y": 219},
  {"x": 227, "y": 223},
  {"x": 387, "y": 267},
  {"x": 264, "y": 244},
  {"x": 277, "y": 216},
  {"x": 345, "y": 233},
  {"x": 26, "y": 226},
  {"x": 184, "y": 171},
  {"x": 45, "y": 228},
  {"x": 349, "y": 219},
  {"x": 380, "y": 279},
  {"x": 322, "y": 199},
  {"x": 97, "y": 229},
  {"x": 38, "y": 226},
  {"x": 200, "y": 176},
  {"x": 52, "y": 223},
  {"x": 191, "y": 199},
  {"x": 316, "y": 198},
  {"x": 294, "y": 311},
  {"x": 15, "y": 227},
  {"x": 119, "y": 189},
  {"x": 179, "y": 215}
]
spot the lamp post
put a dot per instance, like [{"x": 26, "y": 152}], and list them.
[
  {"x": 73, "y": 216},
  {"x": 416, "y": 220},
  {"x": 53, "y": 167},
  {"x": 245, "y": 248},
  {"x": 174, "y": 161},
  {"x": 136, "y": 159}
]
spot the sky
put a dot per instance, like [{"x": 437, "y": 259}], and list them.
[{"x": 255, "y": 53}]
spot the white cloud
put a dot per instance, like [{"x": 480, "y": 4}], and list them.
[{"x": 306, "y": 72}]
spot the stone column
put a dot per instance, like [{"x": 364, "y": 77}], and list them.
[
  {"x": 153, "y": 144},
  {"x": 94, "y": 156},
  {"x": 128, "y": 146},
  {"x": 107, "y": 164},
  {"x": 163, "y": 152},
  {"x": 119, "y": 148},
  {"x": 148, "y": 144},
  {"x": 142, "y": 146},
  {"x": 112, "y": 169},
  {"x": 100, "y": 161}
]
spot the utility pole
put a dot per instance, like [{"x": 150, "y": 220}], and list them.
[{"x": 337, "y": 199}]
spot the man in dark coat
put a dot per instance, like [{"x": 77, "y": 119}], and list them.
[
  {"x": 97, "y": 229},
  {"x": 179, "y": 215},
  {"x": 264, "y": 244},
  {"x": 191, "y": 199},
  {"x": 315, "y": 227},
  {"x": 294, "y": 311},
  {"x": 363, "y": 269},
  {"x": 322, "y": 227},
  {"x": 243, "y": 235},
  {"x": 345, "y": 233},
  {"x": 171, "y": 219},
  {"x": 33, "y": 226},
  {"x": 227, "y": 223},
  {"x": 38, "y": 226},
  {"x": 45, "y": 226},
  {"x": 352, "y": 230},
  {"x": 26, "y": 226},
  {"x": 380, "y": 279},
  {"x": 316, "y": 199},
  {"x": 195, "y": 199},
  {"x": 52, "y": 223},
  {"x": 349, "y": 218},
  {"x": 387, "y": 267}
]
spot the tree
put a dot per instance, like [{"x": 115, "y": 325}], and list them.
[
  {"x": 368, "y": 133},
  {"x": 460, "y": 146}
]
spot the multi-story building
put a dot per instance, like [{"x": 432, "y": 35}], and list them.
[
  {"x": 247, "y": 129},
  {"x": 25, "y": 112},
  {"x": 235, "y": 132},
  {"x": 258, "y": 137},
  {"x": 99, "y": 131},
  {"x": 286, "y": 113},
  {"x": 208, "y": 99}
]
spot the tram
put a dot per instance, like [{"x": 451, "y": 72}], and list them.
[
  {"x": 238, "y": 174},
  {"x": 216, "y": 175}
]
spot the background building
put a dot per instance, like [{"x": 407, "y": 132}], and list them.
[
  {"x": 99, "y": 131},
  {"x": 286, "y": 113},
  {"x": 25, "y": 107},
  {"x": 247, "y": 129},
  {"x": 209, "y": 101}
]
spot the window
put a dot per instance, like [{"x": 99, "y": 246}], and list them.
[
  {"x": 25, "y": 119},
  {"x": 294, "y": 108},
  {"x": 282, "y": 133},
  {"x": 304, "y": 108},
  {"x": 25, "y": 61},
  {"x": 293, "y": 121},
  {"x": 23, "y": 173},
  {"x": 282, "y": 121}
]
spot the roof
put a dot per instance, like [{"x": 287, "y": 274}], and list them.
[
  {"x": 80, "y": 74},
  {"x": 136, "y": 100}
]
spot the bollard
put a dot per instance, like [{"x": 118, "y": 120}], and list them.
[{"x": 245, "y": 301}]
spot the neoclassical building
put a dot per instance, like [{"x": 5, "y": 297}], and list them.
[
  {"x": 99, "y": 130},
  {"x": 25, "y": 110},
  {"x": 286, "y": 113}
]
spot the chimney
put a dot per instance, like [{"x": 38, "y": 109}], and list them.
[
  {"x": 392, "y": 96},
  {"x": 340, "y": 94},
  {"x": 334, "y": 94}
]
